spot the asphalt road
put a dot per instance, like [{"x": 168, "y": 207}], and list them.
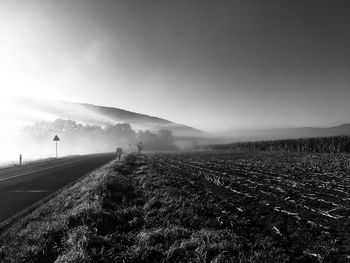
[{"x": 22, "y": 186}]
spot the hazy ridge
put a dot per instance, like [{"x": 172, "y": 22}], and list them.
[{"x": 102, "y": 115}]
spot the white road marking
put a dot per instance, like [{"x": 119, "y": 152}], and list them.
[
  {"x": 29, "y": 191},
  {"x": 49, "y": 168}
]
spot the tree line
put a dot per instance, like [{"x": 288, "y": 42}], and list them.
[{"x": 91, "y": 138}]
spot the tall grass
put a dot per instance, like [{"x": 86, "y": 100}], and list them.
[{"x": 336, "y": 144}]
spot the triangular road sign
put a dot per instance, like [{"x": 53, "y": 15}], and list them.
[{"x": 56, "y": 138}]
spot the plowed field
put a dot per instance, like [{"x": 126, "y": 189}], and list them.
[{"x": 300, "y": 203}]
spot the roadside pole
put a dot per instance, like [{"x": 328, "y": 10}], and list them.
[{"x": 56, "y": 139}]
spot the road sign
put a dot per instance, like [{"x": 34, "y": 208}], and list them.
[{"x": 56, "y": 139}]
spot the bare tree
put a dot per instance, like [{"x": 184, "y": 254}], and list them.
[{"x": 139, "y": 147}]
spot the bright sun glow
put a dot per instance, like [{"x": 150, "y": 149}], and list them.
[
  {"x": 14, "y": 116},
  {"x": 29, "y": 67},
  {"x": 19, "y": 68},
  {"x": 21, "y": 75},
  {"x": 15, "y": 80},
  {"x": 28, "y": 61}
]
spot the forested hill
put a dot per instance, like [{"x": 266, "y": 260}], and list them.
[
  {"x": 101, "y": 115},
  {"x": 142, "y": 120}
]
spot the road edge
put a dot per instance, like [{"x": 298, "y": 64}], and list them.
[{"x": 13, "y": 219}]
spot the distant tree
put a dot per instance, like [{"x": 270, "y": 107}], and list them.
[
  {"x": 166, "y": 139},
  {"x": 121, "y": 134},
  {"x": 195, "y": 144},
  {"x": 84, "y": 138},
  {"x": 139, "y": 147},
  {"x": 40, "y": 130},
  {"x": 163, "y": 140}
]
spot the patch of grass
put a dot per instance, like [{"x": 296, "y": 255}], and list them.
[{"x": 42, "y": 235}]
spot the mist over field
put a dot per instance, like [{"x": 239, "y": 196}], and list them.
[
  {"x": 77, "y": 138},
  {"x": 28, "y": 128}
]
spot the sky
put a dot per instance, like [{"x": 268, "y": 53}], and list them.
[{"x": 214, "y": 65}]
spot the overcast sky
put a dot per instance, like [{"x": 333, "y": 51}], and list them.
[{"x": 215, "y": 65}]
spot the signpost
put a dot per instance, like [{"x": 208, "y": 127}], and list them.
[{"x": 56, "y": 139}]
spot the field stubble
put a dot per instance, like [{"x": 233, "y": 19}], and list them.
[{"x": 298, "y": 203}]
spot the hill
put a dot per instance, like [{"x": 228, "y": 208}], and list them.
[{"x": 101, "y": 115}]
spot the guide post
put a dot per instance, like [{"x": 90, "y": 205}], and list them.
[{"x": 56, "y": 139}]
